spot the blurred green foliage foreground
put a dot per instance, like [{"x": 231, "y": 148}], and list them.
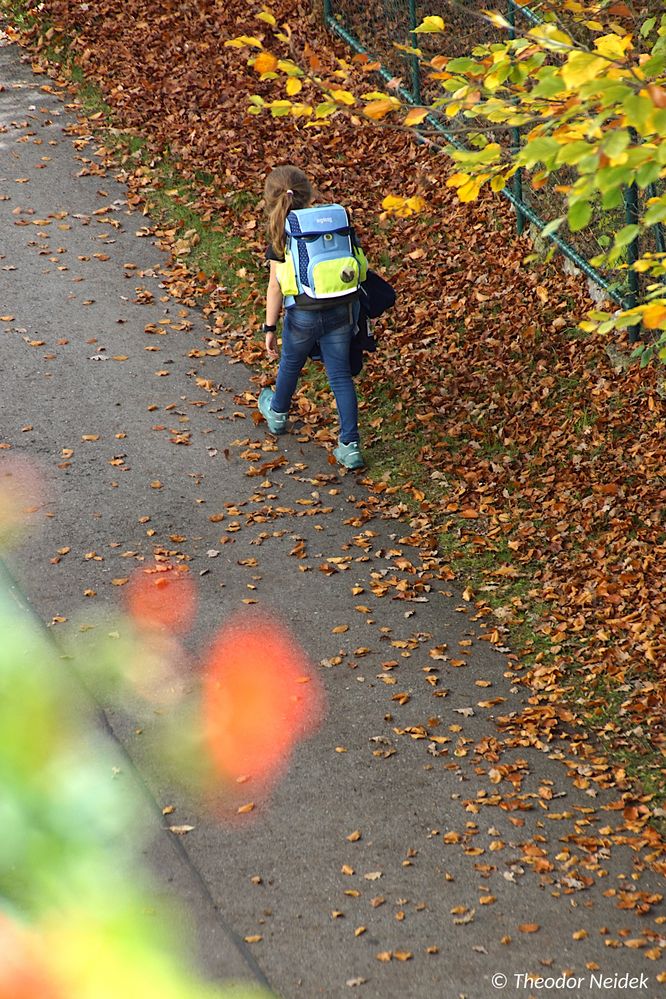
[{"x": 77, "y": 919}]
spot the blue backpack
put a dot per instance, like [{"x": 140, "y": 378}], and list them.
[{"x": 322, "y": 258}]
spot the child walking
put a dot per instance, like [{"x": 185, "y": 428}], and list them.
[{"x": 316, "y": 268}]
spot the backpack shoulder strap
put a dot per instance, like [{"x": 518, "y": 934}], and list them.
[{"x": 292, "y": 224}]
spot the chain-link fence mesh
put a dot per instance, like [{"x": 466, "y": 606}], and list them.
[{"x": 377, "y": 26}]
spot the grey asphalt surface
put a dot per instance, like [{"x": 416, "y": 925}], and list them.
[{"x": 72, "y": 312}]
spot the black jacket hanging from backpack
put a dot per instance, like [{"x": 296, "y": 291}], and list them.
[{"x": 376, "y": 296}]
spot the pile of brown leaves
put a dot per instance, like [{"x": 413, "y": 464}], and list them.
[{"x": 540, "y": 451}]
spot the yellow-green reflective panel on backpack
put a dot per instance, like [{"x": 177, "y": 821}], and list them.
[{"x": 333, "y": 278}]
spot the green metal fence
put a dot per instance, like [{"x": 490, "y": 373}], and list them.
[{"x": 373, "y": 28}]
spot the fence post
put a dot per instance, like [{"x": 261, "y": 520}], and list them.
[
  {"x": 659, "y": 228},
  {"x": 517, "y": 182},
  {"x": 633, "y": 252},
  {"x": 416, "y": 69}
]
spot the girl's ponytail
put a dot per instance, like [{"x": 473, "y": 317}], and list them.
[
  {"x": 276, "y": 220},
  {"x": 286, "y": 187}
]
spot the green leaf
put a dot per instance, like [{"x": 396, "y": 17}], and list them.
[
  {"x": 626, "y": 235},
  {"x": 432, "y": 23},
  {"x": 490, "y": 154},
  {"x": 659, "y": 122},
  {"x": 325, "y": 109},
  {"x": 612, "y": 198},
  {"x": 494, "y": 80},
  {"x": 579, "y": 215},
  {"x": 656, "y": 212},
  {"x": 638, "y": 110},
  {"x": 616, "y": 142},
  {"x": 279, "y": 109},
  {"x": 552, "y": 227},
  {"x": 573, "y": 152},
  {"x": 648, "y": 173},
  {"x": 612, "y": 177},
  {"x": 462, "y": 65},
  {"x": 549, "y": 83},
  {"x": 654, "y": 66},
  {"x": 541, "y": 150}
]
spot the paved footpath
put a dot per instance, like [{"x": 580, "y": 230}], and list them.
[{"x": 462, "y": 842}]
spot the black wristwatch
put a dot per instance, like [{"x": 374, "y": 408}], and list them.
[{"x": 270, "y": 329}]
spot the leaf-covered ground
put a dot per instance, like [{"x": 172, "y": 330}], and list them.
[{"x": 533, "y": 457}]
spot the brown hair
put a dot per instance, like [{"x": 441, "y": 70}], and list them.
[{"x": 286, "y": 187}]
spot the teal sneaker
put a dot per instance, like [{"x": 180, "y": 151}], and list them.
[
  {"x": 349, "y": 455},
  {"x": 277, "y": 422}
]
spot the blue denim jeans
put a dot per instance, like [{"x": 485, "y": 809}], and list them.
[{"x": 331, "y": 329}]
